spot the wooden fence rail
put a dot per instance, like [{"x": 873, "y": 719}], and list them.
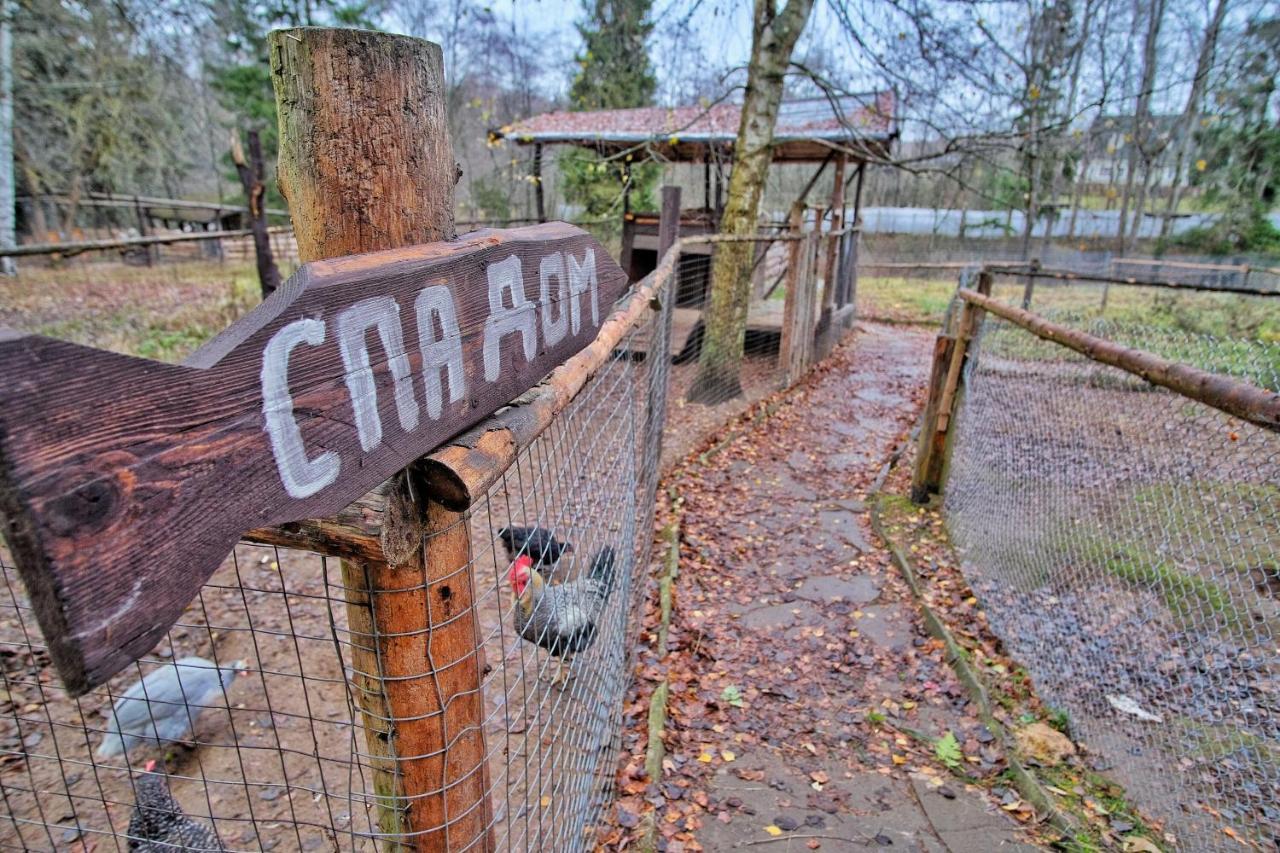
[{"x": 1234, "y": 397}]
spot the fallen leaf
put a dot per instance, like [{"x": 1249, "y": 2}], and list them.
[
  {"x": 705, "y": 758},
  {"x": 727, "y": 755},
  {"x": 1045, "y": 743},
  {"x": 773, "y": 830},
  {"x": 1138, "y": 844}
]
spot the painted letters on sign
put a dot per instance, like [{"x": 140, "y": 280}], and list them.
[
  {"x": 114, "y": 470},
  {"x": 511, "y": 313}
]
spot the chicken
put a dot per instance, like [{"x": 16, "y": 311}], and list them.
[
  {"x": 561, "y": 618},
  {"x": 158, "y": 822},
  {"x": 539, "y": 543},
  {"x": 163, "y": 707}
]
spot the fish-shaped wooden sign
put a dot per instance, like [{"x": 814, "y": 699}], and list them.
[{"x": 125, "y": 482}]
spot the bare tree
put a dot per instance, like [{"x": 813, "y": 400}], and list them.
[{"x": 773, "y": 38}]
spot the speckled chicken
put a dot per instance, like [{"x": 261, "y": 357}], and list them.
[
  {"x": 163, "y": 707},
  {"x": 561, "y": 618},
  {"x": 158, "y": 822}
]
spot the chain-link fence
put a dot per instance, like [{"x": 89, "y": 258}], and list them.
[
  {"x": 1125, "y": 542},
  {"x": 280, "y": 711}
]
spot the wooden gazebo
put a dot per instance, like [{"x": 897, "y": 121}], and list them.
[{"x": 845, "y": 132}]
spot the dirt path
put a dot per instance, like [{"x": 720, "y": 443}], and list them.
[{"x": 795, "y": 641}]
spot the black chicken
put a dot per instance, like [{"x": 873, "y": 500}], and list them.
[
  {"x": 158, "y": 822},
  {"x": 540, "y": 544}
]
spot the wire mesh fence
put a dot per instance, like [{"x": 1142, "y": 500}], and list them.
[
  {"x": 278, "y": 715},
  {"x": 1124, "y": 542}
]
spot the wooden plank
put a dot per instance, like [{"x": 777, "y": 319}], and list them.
[
  {"x": 925, "y": 478},
  {"x": 290, "y": 413}
]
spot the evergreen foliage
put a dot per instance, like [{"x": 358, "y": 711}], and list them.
[
  {"x": 1239, "y": 165},
  {"x": 614, "y": 73}
]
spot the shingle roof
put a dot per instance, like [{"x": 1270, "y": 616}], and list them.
[{"x": 845, "y": 119}]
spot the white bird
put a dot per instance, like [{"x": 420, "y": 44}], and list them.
[{"x": 163, "y": 707}]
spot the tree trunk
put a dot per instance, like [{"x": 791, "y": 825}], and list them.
[
  {"x": 1137, "y": 145},
  {"x": 774, "y": 37},
  {"x": 1191, "y": 113},
  {"x": 252, "y": 175}
]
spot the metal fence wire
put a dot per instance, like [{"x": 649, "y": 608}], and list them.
[
  {"x": 261, "y": 712},
  {"x": 1125, "y": 542}
]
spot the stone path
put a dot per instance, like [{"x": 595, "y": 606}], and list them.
[{"x": 794, "y": 603}]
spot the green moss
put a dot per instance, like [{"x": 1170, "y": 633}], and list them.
[{"x": 1189, "y": 597}]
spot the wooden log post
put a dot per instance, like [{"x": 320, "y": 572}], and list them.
[
  {"x": 366, "y": 164},
  {"x": 925, "y": 480},
  {"x": 660, "y": 347},
  {"x": 538, "y": 197},
  {"x": 144, "y": 229},
  {"x": 252, "y": 174}
]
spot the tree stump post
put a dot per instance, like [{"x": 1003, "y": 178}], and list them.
[{"x": 366, "y": 164}]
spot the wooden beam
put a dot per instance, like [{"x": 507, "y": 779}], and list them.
[
  {"x": 1059, "y": 275},
  {"x": 1239, "y": 399},
  {"x": 363, "y": 171},
  {"x": 75, "y": 248}
]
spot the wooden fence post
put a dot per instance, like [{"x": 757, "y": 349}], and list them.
[
  {"x": 925, "y": 480},
  {"x": 252, "y": 173},
  {"x": 797, "y": 344},
  {"x": 366, "y": 164},
  {"x": 831, "y": 289},
  {"x": 144, "y": 229},
  {"x": 945, "y": 390}
]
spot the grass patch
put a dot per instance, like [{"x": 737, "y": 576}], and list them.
[
  {"x": 1189, "y": 597},
  {"x": 1214, "y": 743},
  {"x": 1221, "y": 315},
  {"x": 163, "y": 312}
]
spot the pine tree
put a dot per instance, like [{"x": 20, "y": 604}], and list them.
[
  {"x": 613, "y": 73},
  {"x": 613, "y": 69}
]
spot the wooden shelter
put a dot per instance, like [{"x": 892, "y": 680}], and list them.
[{"x": 844, "y": 132}]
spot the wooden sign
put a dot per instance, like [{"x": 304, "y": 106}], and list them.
[{"x": 125, "y": 482}]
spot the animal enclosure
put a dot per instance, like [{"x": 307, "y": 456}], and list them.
[
  {"x": 283, "y": 757},
  {"x": 1122, "y": 537}
]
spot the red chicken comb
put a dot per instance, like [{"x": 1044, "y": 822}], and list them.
[{"x": 150, "y": 766}]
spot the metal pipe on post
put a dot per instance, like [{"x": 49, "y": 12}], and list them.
[{"x": 416, "y": 656}]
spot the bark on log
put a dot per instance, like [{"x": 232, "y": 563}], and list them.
[
  {"x": 1240, "y": 399},
  {"x": 365, "y": 157}
]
